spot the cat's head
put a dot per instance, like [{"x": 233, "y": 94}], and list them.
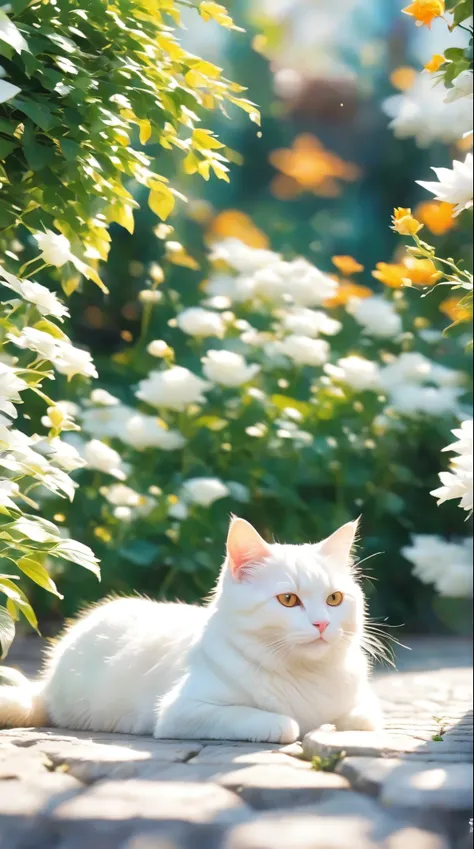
[{"x": 293, "y": 599}]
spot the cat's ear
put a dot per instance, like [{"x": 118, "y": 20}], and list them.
[
  {"x": 338, "y": 546},
  {"x": 244, "y": 546}
]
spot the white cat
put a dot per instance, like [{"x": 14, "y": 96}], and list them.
[{"x": 276, "y": 653}]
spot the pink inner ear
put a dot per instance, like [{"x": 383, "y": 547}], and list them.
[{"x": 244, "y": 545}]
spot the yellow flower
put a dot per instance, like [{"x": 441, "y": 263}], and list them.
[
  {"x": 404, "y": 223},
  {"x": 435, "y": 63},
  {"x": 414, "y": 272},
  {"x": 403, "y": 77},
  {"x": 346, "y": 292},
  {"x": 438, "y": 216},
  {"x": 347, "y": 265},
  {"x": 425, "y": 11},
  {"x": 451, "y": 308}
]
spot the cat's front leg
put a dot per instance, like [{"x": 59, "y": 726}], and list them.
[
  {"x": 366, "y": 715},
  {"x": 193, "y": 720}
]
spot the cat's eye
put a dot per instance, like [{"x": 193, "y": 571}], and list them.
[
  {"x": 289, "y": 599},
  {"x": 335, "y": 599}
]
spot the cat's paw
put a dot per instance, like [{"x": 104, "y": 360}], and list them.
[
  {"x": 360, "y": 719},
  {"x": 290, "y": 730},
  {"x": 274, "y": 728}
]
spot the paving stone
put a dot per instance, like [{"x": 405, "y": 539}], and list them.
[
  {"x": 437, "y": 786},
  {"x": 344, "y": 821},
  {"x": 26, "y": 797},
  {"x": 155, "y": 800},
  {"x": 264, "y": 787},
  {"x": 250, "y": 754},
  {"x": 365, "y": 744},
  {"x": 367, "y": 774}
]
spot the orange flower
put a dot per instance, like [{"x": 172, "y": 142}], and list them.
[
  {"x": 403, "y": 78},
  {"x": 346, "y": 291},
  {"x": 415, "y": 272},
  {"x": 234, "y": 224},
  {"x": 453, "y": 310},
  {"x": 421, "y": 272},
  {"x": 393, "y": 275},
  {"x": 347, "y": 265},
  {"x": 404, "y": 223},
  {"x": 438, "y": 216},
  {"x": 308, "y": 166},
  {"x": 435, "y": 63},
  {"x": 425, "y": 11}
]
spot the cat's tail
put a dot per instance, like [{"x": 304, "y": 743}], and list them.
[{"x": 21, "y": 701}]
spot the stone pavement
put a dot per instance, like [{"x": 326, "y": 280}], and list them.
[{"x": 409, "y": 787}]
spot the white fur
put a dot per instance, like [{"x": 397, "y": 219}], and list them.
[{"x": 241, "y": 668}]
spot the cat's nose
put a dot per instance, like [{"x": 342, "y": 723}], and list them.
[{"x": 321, "y": 626}]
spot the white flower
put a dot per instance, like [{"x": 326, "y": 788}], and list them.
[
  {"x": 196, "y": 321},
  {"x": 412, "y": 400},
  {"x": 458, "y": 483},
  {"x": 55, "y": 248},
  {"x": 228, "y": 368},
  {"x": 61, "y": 415},
  {"x": 10, "y": 387},
  {"x": 447, "y": 565},
  {"x": 71, "y": 361},
  {"x": 412, "y": 367},
  {"x": 204, "y": 491},
  {"x": 173, "y": 389},
  {"x": 462, "y": 87},
  {"x": 229, "y": 289},
  {"x": 8, "y": 490},
  {"x": 45, "y": 301},
  {"x": 99, "y": 456},
  {"x": 360, "y": 374},
  {"x": 35, "y": 340},
  {"x": 455, "y": 185},
  {"x": 7, "y": 91},
  {"x": 376, "y": 315},
  {"x": 106, "y": 422},
  {"x": 121, "y": 495},
  {"x": 305, "y": 322},
  {"x": 242, "y": 257},
  {"x": 297, "y": 281},
  {"x": 423, "y": 113},
  {"x": 305, "y": 351},
  {"x": 158, "y": 348},
  {"x": 103, "y": 398},
  {"x": 64, "y": 455},
  {"x": 147, "y": 432},
  {"x": 178, "y": 511}
]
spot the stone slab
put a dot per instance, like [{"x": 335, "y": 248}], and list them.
[
  {"x": 437, "y": 786},
  {"x": 363, "y": 744}
]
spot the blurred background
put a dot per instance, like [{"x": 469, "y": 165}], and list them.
[{"x": 349, "y": 123}]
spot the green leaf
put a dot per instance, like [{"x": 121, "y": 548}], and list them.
[
  {"x": 20, "y": 600},
  {"x": 40, "y": 113},
  {"x": 7, "y": 631},
  {"x": 6, "y": 147},
  {"x": 36, "y": 571}
]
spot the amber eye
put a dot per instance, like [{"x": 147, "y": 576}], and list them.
[
  {"x": 289, "y": 600},
  {"x": 335, "y": 599}
]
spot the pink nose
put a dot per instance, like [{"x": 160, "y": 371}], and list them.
[{"x": 321, "y": 626}]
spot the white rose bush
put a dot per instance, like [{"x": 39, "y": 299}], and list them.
[
  {"x": 255, "y": 381},
  {"x": 448, "y": 81},
  {"x": 81, "y": 92}
]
